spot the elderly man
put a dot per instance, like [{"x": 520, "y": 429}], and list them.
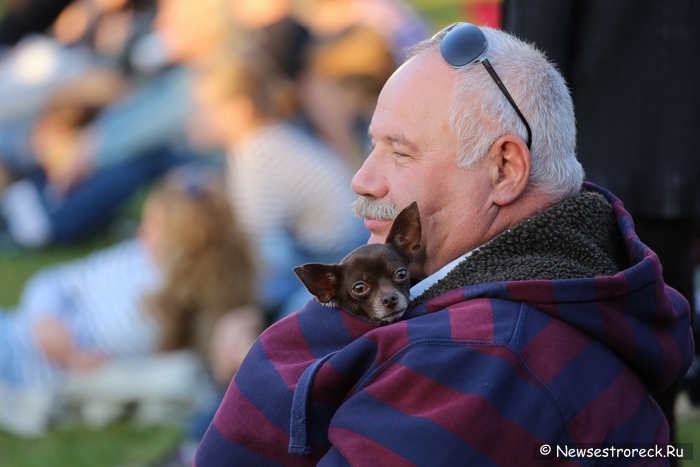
[{"x": 540, "y": 317}]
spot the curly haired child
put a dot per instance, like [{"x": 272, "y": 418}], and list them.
[{"x": 165, "y": 290}]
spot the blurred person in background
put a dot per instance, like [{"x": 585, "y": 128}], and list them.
[
  {"x": 90, "y": 45},
  {"x": 79, "y": 140},
  {"x": 338, "y": 89},
  {"x": 188, "y": 271},
  {"x": 291, "y": 191},
  {"x": 357, "y": 45},
  {"x": 271, "y": 26},
  {"x": 632, "y": 68},
  {"x": 39, "y": 209}
]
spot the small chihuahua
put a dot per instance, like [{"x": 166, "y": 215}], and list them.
[{"x": 373, "y": 280}]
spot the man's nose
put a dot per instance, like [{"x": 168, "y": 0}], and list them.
[{"x": 369, "y": 179}]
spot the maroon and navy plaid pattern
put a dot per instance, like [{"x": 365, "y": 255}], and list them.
[{"x": 477, "y": 376}]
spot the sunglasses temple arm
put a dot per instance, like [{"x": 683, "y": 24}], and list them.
[{"x": 505, "y": 92}]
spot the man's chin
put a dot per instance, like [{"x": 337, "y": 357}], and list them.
[{"x": 379, "y": 229}]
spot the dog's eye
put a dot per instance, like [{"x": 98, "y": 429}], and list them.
[
  {"x": 401, "y": 274},
  {"x": 360, "y": 288}
]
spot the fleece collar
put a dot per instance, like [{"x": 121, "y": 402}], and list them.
[{"x": 577, "y": 238}]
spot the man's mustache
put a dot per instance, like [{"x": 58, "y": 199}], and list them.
[{"x": 369, "y": 207}]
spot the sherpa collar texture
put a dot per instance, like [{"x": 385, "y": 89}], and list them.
[{"x": 576, "y": 238}]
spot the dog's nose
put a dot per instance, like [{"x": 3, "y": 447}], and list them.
[{"x": 389, "y": 300}]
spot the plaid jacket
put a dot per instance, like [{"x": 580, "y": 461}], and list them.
[{"x": 481, "y": 375}]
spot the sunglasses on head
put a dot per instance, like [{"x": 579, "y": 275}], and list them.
[{"x": 464, "y": 44}]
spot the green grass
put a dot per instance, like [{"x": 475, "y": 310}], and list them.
[
  {"x": 121, "y": 444},
  {"x": 126, "y": 445},
  {"x": 689, "y": 432}
]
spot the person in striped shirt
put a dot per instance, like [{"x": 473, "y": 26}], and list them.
[
  {"x": 290, "y": 190},
  {"x": 540, "y": 317},
  {"x": 161, "y": 291}
]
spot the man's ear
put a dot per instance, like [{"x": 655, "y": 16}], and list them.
[
  {"x": 321, "y": 280},
  {"x": 509, "y": 170},
  {"x": 405, "y": 232}
]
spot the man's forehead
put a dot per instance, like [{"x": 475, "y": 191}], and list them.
[
  {"x": 421, "y": 79},
  {"x": 415, "y": 103}
]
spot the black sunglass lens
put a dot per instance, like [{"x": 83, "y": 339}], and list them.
[{"x": 462, "y": 45}]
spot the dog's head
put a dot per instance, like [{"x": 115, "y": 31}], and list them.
[{"x": 373, "y": 280}]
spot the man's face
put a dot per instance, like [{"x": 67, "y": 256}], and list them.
[{"x": 415, "y": 159}]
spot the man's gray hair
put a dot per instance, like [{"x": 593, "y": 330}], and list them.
[{"x": 540, "y": 92}]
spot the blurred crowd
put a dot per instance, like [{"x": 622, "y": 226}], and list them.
[
  {"x": 112, "y": 95},
  {"x": 245, "y": 120}
]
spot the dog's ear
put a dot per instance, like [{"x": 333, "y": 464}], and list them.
[
  {"x": 405, "y": 232},
  {"x": 322, "y": 280}
]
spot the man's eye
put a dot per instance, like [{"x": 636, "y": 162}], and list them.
[
  {"x": 360, "y": 288},
  {"x": 401, "y": 275}
]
